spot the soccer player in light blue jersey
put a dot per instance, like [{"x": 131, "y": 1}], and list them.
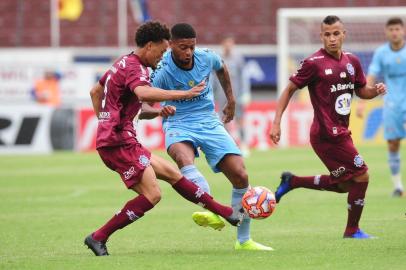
[
  {"x": 389, "y": 61},
  {"x": 196, "y": 124}
]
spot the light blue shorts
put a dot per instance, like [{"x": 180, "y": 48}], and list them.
[
  {"x": 394, "y": 123},
  {"x": 211, "y": 137}
]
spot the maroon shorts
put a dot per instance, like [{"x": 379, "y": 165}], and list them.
[
  {"x": 129, "y": 160},
  {"x": 341, "y": 159}
]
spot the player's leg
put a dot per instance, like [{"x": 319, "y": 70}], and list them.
[
  {"x": 183, "y": 153},
  {"x": 149, "y": 195},
  {"x": 394, "y": 166},
  {"x": 190, "y": 191},
  {"x": 234, "y": 169},
  {"x": 394, "y": 130},
  {"x": 356, "y": 201}
]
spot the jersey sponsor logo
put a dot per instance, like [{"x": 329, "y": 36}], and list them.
[
  {"x": 338, "y": 172},
  {"x": 316, "y": 57},
  {"x": 343, "y": 104},
  {"x": 328, "y": 71},
  {"x": 104, "y": 115},
  {"x": 342, "y": 86},
  {"x": 144, "y": 161},
  {"x": 350, "y": 69},
  {"x": 343, "y": 75},
  {"x": 358, "y": 161},
  {"x": 130, "y": 172}
]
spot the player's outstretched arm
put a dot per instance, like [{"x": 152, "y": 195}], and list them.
[
  {"x": 152, "y": 94},
  {"x": 96, "y": 95},
  {"x": 149, "y": 112},
  {"x": 283, "y": 102},
  {"x": 225, "y": 82}
]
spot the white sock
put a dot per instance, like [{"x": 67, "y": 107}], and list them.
[{"x": 397, "y": 181}]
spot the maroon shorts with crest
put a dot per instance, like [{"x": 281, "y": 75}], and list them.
[
  {"x": 129, "y": 160},
  {"x": 341, "y": 159}
]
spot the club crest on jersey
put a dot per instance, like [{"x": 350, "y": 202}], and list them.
[
  {"x": 143, "y": 160},
  {"x": 350, "y": 69},
  {"x": 328, "y": 71},
  {"x": 191, "y": 83},
  {"x": 358, "y": 161},
  {"x": 343, "y": 75}
]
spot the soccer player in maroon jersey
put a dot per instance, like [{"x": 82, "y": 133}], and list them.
[
  {"x": 117, "y": 98},
  {"x": 331, "y": 75}
]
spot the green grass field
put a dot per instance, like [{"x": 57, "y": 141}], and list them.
[{"x": 50, "y": 203}]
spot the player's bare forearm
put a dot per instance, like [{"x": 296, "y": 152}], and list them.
[
  {"x": 369, "y": 92},
  {"x": 224, "y": 79},
  {"x": 96, "y": 94},
  {"x": 148, "y": 112},
  {"x": 284, "y": 101},
  {"x": 275, "y": 133},
  {"x": 151, "y": 94}
]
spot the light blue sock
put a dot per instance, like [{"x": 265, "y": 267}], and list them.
[
  {"x": 193, "y": 175},
  {"x": 394, "y": 162},
  {"x": 243, "y": 232}
]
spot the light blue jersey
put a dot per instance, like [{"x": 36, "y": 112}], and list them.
[
  {"x": 195, "y": 120},
  {"x": 392, "y": 66},
  {"x": 169, "y": 76}
]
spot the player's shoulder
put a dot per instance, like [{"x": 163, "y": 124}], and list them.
[
  {"x": 383, "y": 49},
  {"x": 314, "y": 58},
  {"x": 351, "y": 56},
  {"x": 204, "y": 52}
]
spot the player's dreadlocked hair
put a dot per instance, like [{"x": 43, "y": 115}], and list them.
[
  {"x": 331, "y": 19},
  {"x": 182, "y": 30},
  {"x": 151, "y": 31}
]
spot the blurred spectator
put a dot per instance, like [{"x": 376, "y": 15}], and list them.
[
  {"x": 46, "y": 90},
  {"x": 241, "y": 89}
]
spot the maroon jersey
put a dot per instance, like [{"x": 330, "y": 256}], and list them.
[
  {"x": 120, "y": 105},
  {"x": 331, "y": 84}
]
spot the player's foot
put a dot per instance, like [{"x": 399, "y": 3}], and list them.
[
  {"x": 284, "y": 186},
  {"x": 208, "y": 219},
  {"x": 251, "y": 245},
  {"x": 236, "y": 217},
  {"x": 359, "y": 234},
  {"x": 397, "y": 193},
  {"x": 98, "y": 247}
]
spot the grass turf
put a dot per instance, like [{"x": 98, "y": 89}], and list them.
[{"x": 49, "y": 203}]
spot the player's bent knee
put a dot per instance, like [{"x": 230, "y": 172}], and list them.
[
  {"x": 240, "y": 179},
  {"x": 154, "y": 195},
  {"x": 362, "y": 178}
]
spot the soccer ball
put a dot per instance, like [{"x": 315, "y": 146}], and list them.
[{"x": 259, "y": 202}]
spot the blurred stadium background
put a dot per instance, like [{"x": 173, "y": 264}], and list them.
[{"x": 78, "y": 39}]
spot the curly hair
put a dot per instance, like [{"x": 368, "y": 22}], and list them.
[{"x": 151, "y": 31}]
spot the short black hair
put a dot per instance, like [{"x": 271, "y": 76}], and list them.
[
  {"x": 182, "y": 30},
  {"x": 331, "y": 19},
  {"x": 394, "y": 20},
  {"x": 151, "y": 31}
]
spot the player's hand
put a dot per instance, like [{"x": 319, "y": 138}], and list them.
[
  {"x": 195, "y": 91},
  {"x": 167, "y": 111},
  {"x": 275, "y": 133},
  {"x": 228, "y": 112},
  {"x": 380, "y": 88}
]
